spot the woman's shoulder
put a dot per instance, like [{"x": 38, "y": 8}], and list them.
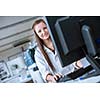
[{"x": 37, "y": 51}]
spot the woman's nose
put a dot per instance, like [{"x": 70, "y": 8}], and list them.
[{"x": 43, "y": 31}]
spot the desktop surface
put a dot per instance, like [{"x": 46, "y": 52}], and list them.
[
  {"x": 81, "y": 79},
  {"x": 93, "y": 79},
  {"x": 81, "y": 73},
  {"x": 86, "y": 74}
]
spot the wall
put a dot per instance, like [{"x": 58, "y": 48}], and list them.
[{"x": 15, "y": 30}]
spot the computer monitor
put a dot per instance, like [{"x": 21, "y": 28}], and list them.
[
  {"x": 66, "y": 35},
  {"x": 91, "y": 34}
]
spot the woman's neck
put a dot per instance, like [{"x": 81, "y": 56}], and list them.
[{"x": 48, "y": 43}]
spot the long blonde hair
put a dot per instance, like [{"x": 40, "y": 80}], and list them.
[{"x": 40, "y": 43}]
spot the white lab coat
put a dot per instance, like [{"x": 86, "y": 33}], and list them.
[{"x": 44, "y": 67}]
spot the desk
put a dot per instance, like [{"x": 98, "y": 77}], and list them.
[{"x": 94, "y": 79}]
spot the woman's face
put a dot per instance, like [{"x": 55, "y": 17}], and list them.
[{"x": 42, "y": 31}]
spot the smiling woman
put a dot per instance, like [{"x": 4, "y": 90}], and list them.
[{"x": 46, "y": 56}]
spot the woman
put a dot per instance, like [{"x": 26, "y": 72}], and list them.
[{"x": 46, "y": 56}]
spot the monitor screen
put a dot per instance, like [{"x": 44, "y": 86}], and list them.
[{"x": 66, "y": 35}]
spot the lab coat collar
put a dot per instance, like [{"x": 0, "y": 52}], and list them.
[{"x": 48, "y": 50}]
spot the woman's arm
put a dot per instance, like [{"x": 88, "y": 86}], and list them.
[{"x": 42, "y": 65}]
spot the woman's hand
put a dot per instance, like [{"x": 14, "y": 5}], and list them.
[
  {"x": 50, "y": 78},
  {"x": 57, "y": 76},
  {"x": 53, "y": 78},
  {"x": 78, "y": 64}
]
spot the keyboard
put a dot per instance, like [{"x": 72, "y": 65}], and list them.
[
  {"x": 64, "y": 79},
  {"x": 75, "y": 74}
]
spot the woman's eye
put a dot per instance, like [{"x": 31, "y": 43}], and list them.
[
  {"x": 39, "y": 31},
  {"x": 45, "y": 28}
]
